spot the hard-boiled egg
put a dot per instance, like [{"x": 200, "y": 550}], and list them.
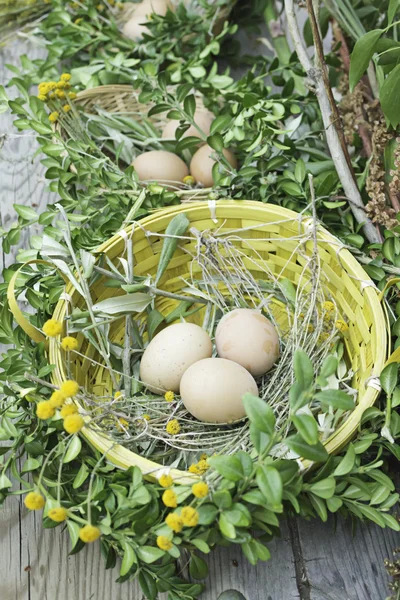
[
  {"x": 201, "y": 164},
  {"x": 161, "y": 166},
  {"x": 248, "y": 338},
  {"x": 203, "y": 119},
  {"x": 170, "y": 353},
  {"x": 212, "y": 390}
]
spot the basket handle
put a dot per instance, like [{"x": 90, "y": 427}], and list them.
[{"x": 32, "y": 331}]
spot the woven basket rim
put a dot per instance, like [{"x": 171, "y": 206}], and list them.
[{"x": 123, "y": 457}]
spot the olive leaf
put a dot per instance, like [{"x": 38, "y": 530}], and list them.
[{"x": 175, "y": 228}]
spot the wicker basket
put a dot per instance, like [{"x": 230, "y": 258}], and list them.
[
  {"x": 124, "y": 99},
  {"x": 356, "y": 297}
]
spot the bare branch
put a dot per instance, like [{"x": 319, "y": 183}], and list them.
[{"x": 316, "y": 74}]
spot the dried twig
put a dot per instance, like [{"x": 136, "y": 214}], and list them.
[{"x": 331, "y": 119}]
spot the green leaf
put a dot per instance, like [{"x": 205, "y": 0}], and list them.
[
  {"x": 220, "y": 123},
  {"x": 32, "y": 464},
  {"x": 270, "y": 483},
  {"x": 201, "y": 545},
  {"x": 300, "y": 170},
  {"x": 176, "y": 227},
  {"x": 347, "y": 462},
  {"x": 303, "y": 369},
  {"x": 393, "y": 8},
  {"x": 123, "y": 304},
  {"x": 334, "y": 504},
  {"x": 148, "y": 585},
  {"x": 74, "y": 448},
  {"x": 149, "y": 554},
  {"x": 260, "y": 440},
  {"x": 198, "y": 567},
  {"x": 26, "y": 212},
  {"x": 307, "y": 427},
  {"x": 389, "y": 94},
  {"x": 208, "y": 513},
  {"x": 363, "y": 52},
  {"x": 4, "y": 482},
  {"x": 324, "y": 488},
  {"x": 319, "y": 506},
  {"x": 216, "y": 142},
  {"x": 388, "y": 378},
  {"x": 73, "y": 530},
  {"x": 129, "y": 558},
  {"x": 81, "y": 476},
  {"x": 229, "y": 467},
  {"x": 329, "y": 366},
  {"x": 260, "y": 413},
  {"x": 315, "y": 452},
  {"x": 227, "y": 529},
  {"x": 336, "y": 398},
  {"x": 141, "y": 496},
  {"x": 189, "y": 105}
]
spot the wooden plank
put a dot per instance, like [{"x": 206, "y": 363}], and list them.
[{"x": 340, "y": 566}]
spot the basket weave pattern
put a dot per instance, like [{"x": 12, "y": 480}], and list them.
[{"x": 355, "y": 295}]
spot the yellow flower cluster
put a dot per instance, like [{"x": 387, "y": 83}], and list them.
[
  {"x": 174, "y": 522},
  {"x": 52, "y": 90},
  {"x": 173, "y": 427},
  {"x": 190, "y": 516},
  {"x": 34, "y": 501},
  {"x": 169, "y": 396},
  {"x": 189, "y": 180},
  {"x": 122, "y": 424},
  {"x": 58, "y": 514},
  {"x": 53, "y": 117},
  {"x": 165, "y": 481},
  {"x": 200, "y": 467},
  {"x": 341, "y": 326},
  {"x": 164, "y": 543},
  {"x": 46, "y": 408},
  {"x": 73, "y": 423},
  {"x": 169, "y": 499},
  {"x": 200, "y": 489},
  {"x": 69, "y": 388},
  {"x": 57, "y": 399},
  {"x": 69, "y": 343},
  {"x": 52, "y": 327},
  {"x": 328, "y": 306},
  {"x": 67, "y": 410},
  {"x": 89, "y": 533}
]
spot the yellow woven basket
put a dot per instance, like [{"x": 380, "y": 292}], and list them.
[{"x": 356, "y": 297}]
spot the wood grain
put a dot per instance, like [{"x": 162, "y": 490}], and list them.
[{"x": 309, "y": 561}]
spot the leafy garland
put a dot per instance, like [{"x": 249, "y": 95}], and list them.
[{"x": 93, "y": 498}]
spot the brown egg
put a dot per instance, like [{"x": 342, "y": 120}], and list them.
[
  {"x": 135, "y": 28},
  {"x": 159, "y": 7},
  {"x": 160, "y": 166},
  {"x": 201, "y": 164},
  {"x": 248, "y": 338},
  {"x": 170, "y": 353},
  {"x": 212, "y": 390},
  {"x": 203, "y": 119}
]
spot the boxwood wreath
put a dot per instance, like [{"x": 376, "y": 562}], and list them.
[{"x": 153, "y": 524}]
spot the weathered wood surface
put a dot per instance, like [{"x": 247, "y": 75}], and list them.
[{"x": 309, "y": 561}]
